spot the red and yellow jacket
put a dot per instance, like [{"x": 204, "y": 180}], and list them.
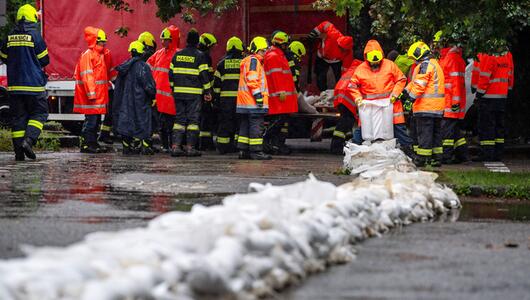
[
  {"x": 383, "y": 83},
  {"x": 454, "y": 68},
  {"x": 91, "y": 78},
  {"x": 252, "y": 85},
  {"x": 280, "y": 81},
  {"x": 159, "y": 63},
  {"x": 427, "y": 88}
]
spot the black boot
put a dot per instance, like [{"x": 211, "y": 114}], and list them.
[
  {"x": 191, "y": 151},
  {"x": 176, "y": 151},
  {"x": 420, "y": 161},
  {"x": 260, "y": 155},
  {"x": 147, "y": 148},
  {"x": 19, "y": 153},
  {"x": 244, "y": 154},
  {"x": 337, "y": 146},
  {"x": 27, "y": 147},
  {"x": 105, "y": 137}
]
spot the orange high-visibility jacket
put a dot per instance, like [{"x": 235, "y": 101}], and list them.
[
  {"x": 252, "y": 85},
  {"x": 495, "y": 74},
  {"x": 159, "y": 63},
  {"x": 427, "y": 88},
  {"x": 475, "y": 73},
  {"x": 342, "y": 94},
  {"x": 454, "y": 68},
  {"x": 91, "y": 78},
  {"x": 384, "y": 83},
  {"x": 280, "y": 80}
]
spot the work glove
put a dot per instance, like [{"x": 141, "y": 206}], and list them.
[
  {"x": 282, "y": 96},
  {"x": 359, "y": 102},
  {"x": 455, "y": 107},
  {"x": 407, "y": 105},
  {"x": 404, "y": 96},
  {"x": 259, "y": 102},
  {"x": 393, "y": 99},
  {"x": 313, "y": 35}
]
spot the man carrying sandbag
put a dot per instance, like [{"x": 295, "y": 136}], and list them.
[{"x": 375, "y": 86}]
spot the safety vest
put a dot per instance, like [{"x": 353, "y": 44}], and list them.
[
  {"x": 495, "y": 74},
  {"x": 189, "y": 74},
  {"x": 454, "y": 68},
  {"x": 91, "y": 94},
  {"x": 226, "y": 76},
  {"x": 279, "y": 80},
  {"x": 159, "y": 63},
  {"x": 342, "y": 94},
  {"x": 252, "y": 83},
  {"x": 427, "y": 88}
]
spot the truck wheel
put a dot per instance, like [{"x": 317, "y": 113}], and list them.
[
  {"x": 74, "y": 127},
  {"x": 5, "y": 116}
]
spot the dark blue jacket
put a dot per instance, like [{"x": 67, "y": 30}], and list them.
[
  {"x": 25, "y": 54},
  {"x": 134, "y": 93}
]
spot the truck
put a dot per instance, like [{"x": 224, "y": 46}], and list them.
[{"x": 63, "y": 23}]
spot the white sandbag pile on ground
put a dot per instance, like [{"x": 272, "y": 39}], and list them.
[{"x": 248, "y": 247}]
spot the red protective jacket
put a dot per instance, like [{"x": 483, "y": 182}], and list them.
[
  {"x": 495, "y": 75},
  {"x": 280, "y": 81},
  {"x": 454, "y": 68},
  {"x": 112, "y": 73},
  {"x": 383, "y": 83},
  {"x": 159, "y": 63},
  {"x": 91, "y": 94},
  {"x": 475, "y": 73},
  {"x": 342, "y": 94},
  {"x": 334, "y": 46}
]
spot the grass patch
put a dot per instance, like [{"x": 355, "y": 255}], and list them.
[
  {"x": 509, "y": 185},
  {"x": 46, "y": 142}
]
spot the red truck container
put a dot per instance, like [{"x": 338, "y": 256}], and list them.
[{"x": 63, "y": 22}]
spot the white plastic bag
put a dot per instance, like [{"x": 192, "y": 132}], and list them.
[{"x": 376, "y": 120}]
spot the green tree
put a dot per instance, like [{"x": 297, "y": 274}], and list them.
[{"x": 11, "y": 14}]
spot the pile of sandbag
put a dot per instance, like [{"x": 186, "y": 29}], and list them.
[{"x": 248, "y": 247}]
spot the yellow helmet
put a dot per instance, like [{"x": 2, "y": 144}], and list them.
[
  {"x": 102, "y": 37},
  {"x": 258, "y": 43},
  {"x": 147, "y": 39},
  {"x": 28, "y": 12},
  {"x": 438, "y": 36},
  {"x": 297, "y": 48},
  {"x": 165, "y": 35},
  {"x": 418, "y": 50},
  {"x": 207, "y": 39},
  {"x": 234, "y": 43},
  {"x": 374, "y": 56},
  {"x": 136, "y": 46},
  {"x": 279, "y": 38}
]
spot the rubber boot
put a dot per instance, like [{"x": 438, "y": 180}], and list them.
[
  {"x": 259, "y": 155},
  {"x": 19, "y": 153},
  {"x": 126, "y": 150},
  {"x": 337, "y": 146},
  {"x": 192, "y": 152},
  {"x": 27, "y": 147},
  {"x": 147, "y": 148},
  {"x": 105, "y": 137},
  {"x": 244, "y": 154},
  {"x": 176, "y": 151}
]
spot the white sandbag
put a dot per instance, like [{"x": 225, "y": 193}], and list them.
[
  {"x": 376, "y": 120},
  {"x": 304, "y": 106}
]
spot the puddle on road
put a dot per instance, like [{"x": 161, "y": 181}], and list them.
[{"x": 480, "y": 211}]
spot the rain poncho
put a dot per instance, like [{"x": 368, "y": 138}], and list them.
[{"x": 134, "y": 91}]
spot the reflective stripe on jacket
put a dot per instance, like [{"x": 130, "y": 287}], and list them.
[
  {"x": 427, "y": 88},
  {"x": 25, "y": 54},
  {"x": 279, "y": 80},
  {"x": 495, "y": 74},
  {"x": 342, "y": 94},
  {"x": 252, "y": 84},
  {"x": 226, "y": 78},
  {"x": 159, "y": 63},
  {"x": 475, "y": 73},
  {"x": 454, "y": 68},
  {"x": 91, "y": 94},
  {"x": 188, "y": 73}
]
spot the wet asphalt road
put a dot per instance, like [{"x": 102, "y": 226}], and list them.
[{"x": 61, "y": 197}]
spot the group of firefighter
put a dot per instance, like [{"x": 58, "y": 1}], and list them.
[{"x": 244, "y": 103}]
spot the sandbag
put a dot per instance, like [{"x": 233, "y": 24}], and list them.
[
  {"x": 304, "y": 106},
  {"x": 377, "y": 120}
]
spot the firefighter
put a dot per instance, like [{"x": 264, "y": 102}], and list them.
[
  {"x": 188, "y": 75},
  {"x": 149, "y": 42},
  {"x": 91, "y": 94},
  {"x": 25, "y": 54},
  {"x": 495, "y": 80},
  {"x": 334, "y": 51},
  {"x": 380, "y": 78},
  {"x": 344, "y": 102},
  {"x": 252, "y": 102},
  {"x": 454, "y": 68},
  {"x": 294, "y": 56},
  {"x": 106, "y": 126},
  {"x": 165, "y": 104},
  {"x": 283, "y": 98},
  {"x": 135, "y": 89},
  {"x": 225, "y": 87},
  {"x": 208, "y": 122},
  {"x": 425, "y": 95}
]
